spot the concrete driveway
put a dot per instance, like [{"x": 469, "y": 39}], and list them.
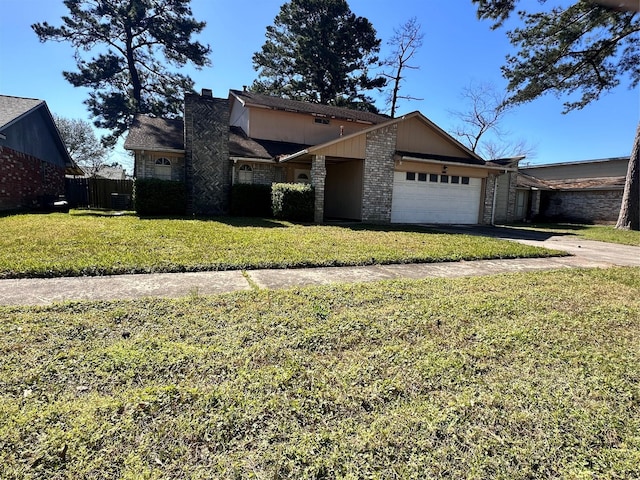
[
  {"x": 584, "y": 254},
  {"x": 606, "y": 254}
]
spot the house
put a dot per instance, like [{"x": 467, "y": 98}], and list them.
[
  {"x": 364, "y": 166},
  {"x": 584, "y": 191},
  {"x": 33, "y": 157},
  {"x": 107, "y": 172}
]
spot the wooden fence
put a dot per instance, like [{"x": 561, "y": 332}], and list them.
[{"x": 99, "y": 193}]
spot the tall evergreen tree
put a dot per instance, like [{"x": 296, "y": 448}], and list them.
[
  {"x": 583, "y": 50},
  {"x": 133, "y": 43},
  {"x": 319, "y": 51}
]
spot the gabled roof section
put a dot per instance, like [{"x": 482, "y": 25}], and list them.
[
  {"x": 471, "y": 159},
  {"x": 14, "y": 108},
  {"x": 257, "y": 100},
  {"x": 155, "y": 133}
]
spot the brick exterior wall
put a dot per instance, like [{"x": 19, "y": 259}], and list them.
[
  {"x": 146, "y": 165},
  {"x": 318, "y": 179},
  {"x": 24, "y": 178},
  {"x": 263, "y": 173},
  {"x": 207, "y": 163},
  {"x": 378, "y": 174},
  {"x": 487, "y": 204},
  {"x": 511, "y": 203},
  {"x": 593, "y": 206}
]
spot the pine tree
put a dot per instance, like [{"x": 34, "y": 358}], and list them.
[
  {"x": 582, "y": 50},
  {"x": 319, "y": 51},
  {"x": 133, "y": 42}
]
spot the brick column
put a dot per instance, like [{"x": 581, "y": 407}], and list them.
[
  {"x": 378, "y": 174},
  {"x": 318, "y": 177},
  {"x": 511, "y": 203},
  {"x": 489, "y": 192}
]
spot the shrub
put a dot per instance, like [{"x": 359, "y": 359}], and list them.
[
  {"x": 153, "y": 196},
  {"x": 251, "y": 200},
  {"x": 293, "y": 201}
]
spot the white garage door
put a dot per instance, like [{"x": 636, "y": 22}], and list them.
[{"x": 428, "y": 198}]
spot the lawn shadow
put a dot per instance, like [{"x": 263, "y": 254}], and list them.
[
  {"x": 102, "y": 213},
  {"x": 239, "y": 222},
  {"x": 503, "y": 232}
]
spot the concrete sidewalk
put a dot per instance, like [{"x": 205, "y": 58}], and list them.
[{"x": 47, "y": 291}]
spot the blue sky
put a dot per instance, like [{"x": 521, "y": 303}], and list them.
[{"x": 458, "y": 49}]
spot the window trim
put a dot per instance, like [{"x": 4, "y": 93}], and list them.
[
  {"x": 162, "y": 168},
  {"x": 245, "y": 174}
]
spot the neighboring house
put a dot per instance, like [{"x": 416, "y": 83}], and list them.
[
  {"x": 33, "y": 157},
  {"x": 363, "y": 166},
  {"x": 587, "y": 191},
  {"x": 108, "y": 172}
]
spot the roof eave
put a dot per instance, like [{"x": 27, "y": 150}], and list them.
[
  {"x": 458, "y": 164},
  {"x": 153, "y": 149},
  {"x": 250, "y": 159}
]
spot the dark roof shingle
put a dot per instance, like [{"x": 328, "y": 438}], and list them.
[
  {"x": 155, "y": 133},
  {"x": 240, "y": 145},
  {"x": 329, "y": 111},
  {"x": 12, "y": 108}
]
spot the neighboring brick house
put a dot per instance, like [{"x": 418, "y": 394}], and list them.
[
  {"x": 363, "y": 166},
  {"x": 582, "y": 191},
  {"x": 33, "y": 157}
]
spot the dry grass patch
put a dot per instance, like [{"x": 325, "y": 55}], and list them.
[{"x": 511, "y": 376}]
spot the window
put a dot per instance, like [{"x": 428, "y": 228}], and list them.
[
  {"x": 433, "y": 177},
  {"x": 422, "y": 177},
  {"x": 455, "y": 179},
  {"x": 465, "y": 180},
  {"x": 302, "y": 176},
  {"x": 162, "y": 169},
  {"x": 444, "y": 178},
  {"x": 322, "y": 121},
  {"x": 245, "y": 174},
  {"x": 411, "y": 175}
]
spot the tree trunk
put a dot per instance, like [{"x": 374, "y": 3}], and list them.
[{"x": 629, "y": 218}]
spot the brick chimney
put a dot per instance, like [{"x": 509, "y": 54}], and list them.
[{"x": 207, "y": 162}]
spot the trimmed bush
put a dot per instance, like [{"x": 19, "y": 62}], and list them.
[
  {"x": 293, "y": 201},
  {"x": 153, "y": 196},
  {"x": 251, "y": 200}
]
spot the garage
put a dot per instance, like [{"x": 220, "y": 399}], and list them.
[{"x": 431, "y": 198}]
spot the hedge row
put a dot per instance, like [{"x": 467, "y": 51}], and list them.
[
  {"x": 292, "y": 201},
  {"x": 286, "y": 201},
  {"x": 159, "y": 197}
]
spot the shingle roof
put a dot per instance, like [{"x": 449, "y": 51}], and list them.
[
  {"x": 240, "y": 145},
  {"x": 442, "y": 158},
  {"x": 12, "y": 108},
  {"x": 595, "y": 183},
  {"x": 329, "y": 111},
  {"x": 155, "y": 133}
]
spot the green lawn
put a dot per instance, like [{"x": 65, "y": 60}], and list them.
[
  {"x": 86, "y": 243},
  {"x": 601, "y": 233},
  {"x": 509, "y": 377}
]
